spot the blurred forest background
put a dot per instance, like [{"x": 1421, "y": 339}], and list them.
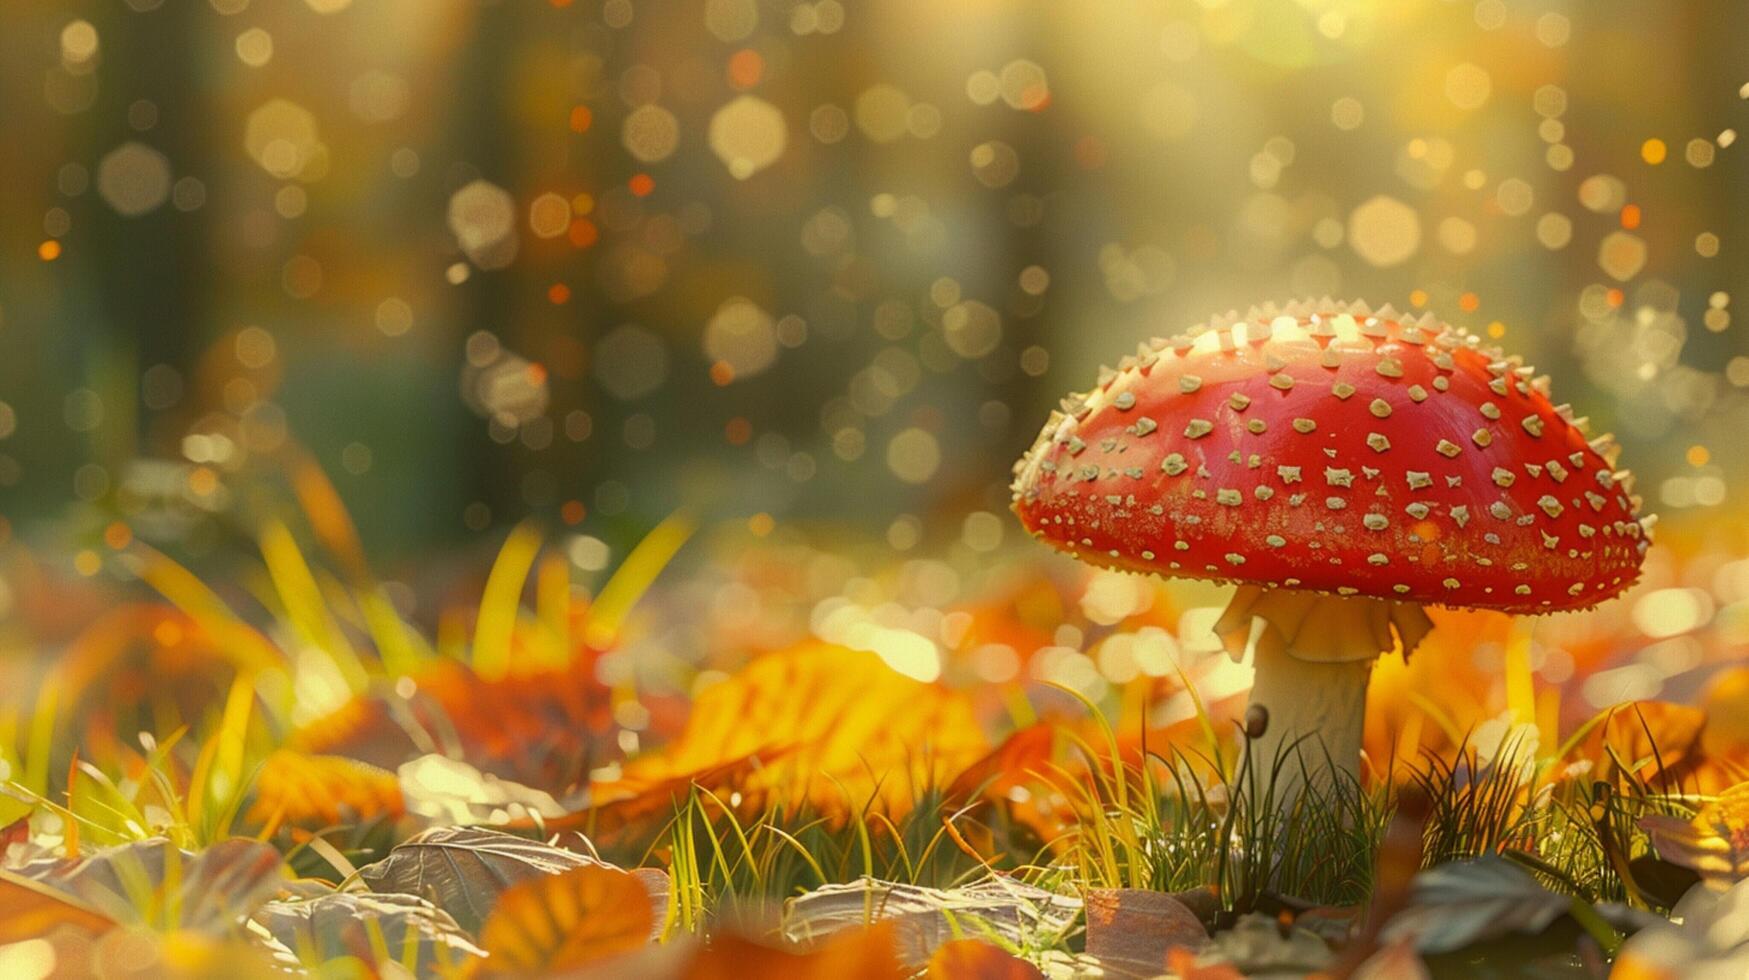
[{"x": 806, "y": 260}]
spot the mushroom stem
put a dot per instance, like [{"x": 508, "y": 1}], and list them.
[
  {"x": 1317, "y": 713},
  {"x": 1312, "y": 654}
]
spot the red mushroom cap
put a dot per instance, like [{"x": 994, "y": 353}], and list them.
[{"x": 1331, "y": 448}]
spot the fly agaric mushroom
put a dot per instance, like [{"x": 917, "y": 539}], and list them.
[{"x": 1344, "y": 467}]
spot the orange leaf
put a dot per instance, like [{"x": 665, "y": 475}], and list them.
[
  {"x": 542, "y": 727},
  {"x": 1181, "y": 963},
  {"x": 326, "y": 511},
  {"x": 837, "y": 728},
  {"x": 1016, "y": 761},
  {"x": 658, "y": 800},
  {"x": 1715, "y": 843},
  {"x": 854, "y": 954},
  {"x": 974, "y": 959},
  {"x": 322, "y": 790},
  {"x": 31, "y": 910},
  {"x": 1642, "y": 732},
  {"x": 1726, "y": 701},
  {"x": 559, "y": 922}
]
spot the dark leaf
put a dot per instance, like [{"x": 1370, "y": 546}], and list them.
[
  {"x": 1661, "y": 880},
  {"x": 1459, "y": 904}
]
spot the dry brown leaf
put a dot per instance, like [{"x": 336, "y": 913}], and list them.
[
  {"x": 1133, "y": 927},
  {"x": 974, "y": 959},
  {"x": 563, "y": 921}
]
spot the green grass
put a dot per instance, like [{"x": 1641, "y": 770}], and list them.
[
  {"x": 1165, "y": 829},
  {"x": 1179, "y": 832},
  {"x": 727, "y": 864}
]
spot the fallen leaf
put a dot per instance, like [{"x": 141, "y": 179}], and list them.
[
  {"x": 138, "y": 658},
  {"x": 1465, "y": 902},
  {"x": 32, "y": 910},
  {"x": 1715, "y": 843},
  {"x": 1013, "y": 763},
  {"x": 1726, "y": 703},
  {"x": 1707, "y": 936},
  {"x": 1203, "y": 902},
  {"x": 926, "y": 918},
  {"x": 543, "y": 726},
  {"x": 450, "y": 792},
  {"x": 656, "y": 800},
  {"x": 857, "y": 954},
  {"x": 150, "y": 882},
  {"x": 975, "y": 959},
  {"x": 1135, "y": 927},
  {"x": 837, "y": 728},
  {"x": 316, "y": 791},
  {"x": 371, "y": 928},
  {"x": 1649, "y": 738},
  {"x": 558, "y": 922},
  {"x": 464, "y": 870}
]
